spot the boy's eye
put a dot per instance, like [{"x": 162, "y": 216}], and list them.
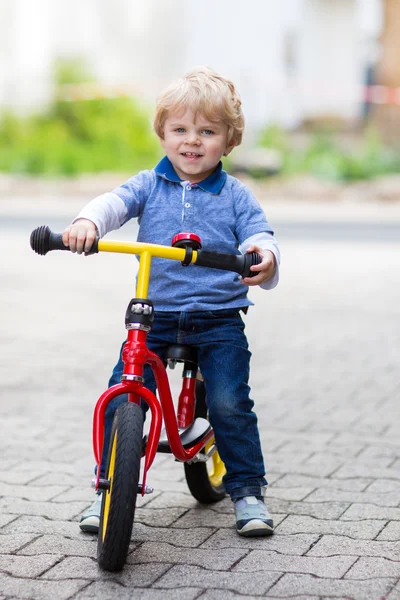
[
  {"x": 207, "y": 131},
  {"x": 180, "y": 130}
]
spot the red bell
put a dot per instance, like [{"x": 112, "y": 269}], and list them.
[{"x": 185, "y": 239}]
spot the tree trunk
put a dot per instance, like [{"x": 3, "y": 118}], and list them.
[{"x": 387, "y": 115}]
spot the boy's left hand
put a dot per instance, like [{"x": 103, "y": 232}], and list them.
[{"x": 265, "y": 269}]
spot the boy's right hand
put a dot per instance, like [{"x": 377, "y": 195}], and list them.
[{"x": 80, "y": 235}]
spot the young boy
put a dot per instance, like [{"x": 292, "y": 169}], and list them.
[{"x": 198, "y": 120}]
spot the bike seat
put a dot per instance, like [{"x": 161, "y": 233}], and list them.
[
  {"x": 189, "y": 435},
  {"x": 181, "y": 353}
]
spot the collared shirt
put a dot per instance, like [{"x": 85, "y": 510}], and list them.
[{"x": 220, "y": 210}]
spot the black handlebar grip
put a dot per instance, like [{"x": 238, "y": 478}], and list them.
[
  {"x": 239, "y": 263},
  {"x": 250, "y": 259},
  {"x": 43, "y": 240}
]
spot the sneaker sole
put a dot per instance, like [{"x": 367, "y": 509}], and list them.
[
  {"x": 90, "y": 525},
  {"x": 255, "y": 528}
]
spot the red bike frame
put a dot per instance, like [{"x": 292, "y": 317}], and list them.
[{"x": 135, "y": 355}]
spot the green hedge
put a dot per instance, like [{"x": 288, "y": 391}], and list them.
[
  {"x": 323, "y": 155},
  {"x": 79, "y": 136}
]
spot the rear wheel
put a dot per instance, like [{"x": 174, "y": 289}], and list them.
[
  {"x": 204, "y": 479},
  {"x": 119, "y": 501}
]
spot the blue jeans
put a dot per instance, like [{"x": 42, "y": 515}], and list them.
[{"x": 224, "y": 361}]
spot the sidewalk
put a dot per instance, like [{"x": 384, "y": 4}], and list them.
[{"x": 325, "y": 378}]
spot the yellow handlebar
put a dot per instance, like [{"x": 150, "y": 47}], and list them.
[{"x": 146, "y": 252}]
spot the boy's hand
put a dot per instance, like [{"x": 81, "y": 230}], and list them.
[
  {"x": 265, "y": 269},
  {"x": 80, "y": 235}
]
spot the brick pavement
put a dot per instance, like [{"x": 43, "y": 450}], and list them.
[{"x": 326, "y": 381}]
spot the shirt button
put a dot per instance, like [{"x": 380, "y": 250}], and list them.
[
  {"x": 187, "y": 205},
  {"x": 188, "y": 187}
]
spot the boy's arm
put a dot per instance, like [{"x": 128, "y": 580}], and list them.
[
  {"x": 268, "y": 270},
  {"x": 108, "y": 212},
  {"x": 103, "y": 214}
]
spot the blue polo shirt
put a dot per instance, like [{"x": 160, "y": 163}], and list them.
[{"x": 220, "y": 209}]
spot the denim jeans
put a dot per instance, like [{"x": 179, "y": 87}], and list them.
[{"x": 224, "y": 361}]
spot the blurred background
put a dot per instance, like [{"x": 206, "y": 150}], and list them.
[{"x": 319, "y": 80}]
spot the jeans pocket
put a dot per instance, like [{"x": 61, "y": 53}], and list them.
[{"x": 224, "y": 313}]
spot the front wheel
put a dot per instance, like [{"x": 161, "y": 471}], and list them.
[
  {"x": 119, "y": 501},
  {"x": 204, "y": 479}
]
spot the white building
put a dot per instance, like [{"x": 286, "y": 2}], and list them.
[{"x": 290, "y": 59}]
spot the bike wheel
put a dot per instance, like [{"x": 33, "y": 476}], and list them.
[
  {"x": 119, "y": 501},
  {"x": 204, "y": 479}
]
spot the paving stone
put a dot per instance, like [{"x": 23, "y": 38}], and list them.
[
  {"x": 395, "y": 593},
  {"x": 317, "y": 445},
  {"x": 84, "y": 546},
  {"x": 314, "y": 469},
  {"x": 46, "y": 466},
  {"x": 367, "y": 471},
  {"x": 291, "y": 584},
  {"x": 370, "y": 511},
  {"x": 167, "y": 486},
  {"x": 67, "y": 479},
  {"x": 282, "y": 458},
  {"x": 188, "y": 538},
  {"x": 384, "y": 485},
  {"x": 208, "y": 559},
  {"x": 371, "y": 440},
  {"x": 264, "y": 560},
  {"x": 285, "y": 544},
  {"x": 5, "y": 519},
  {"x": 191, "y": 576},
  {"x": 86, "y": 568},
  {"x": 27, "y": 566},
  {"x": 330, "y": 545},
  {"x": 13, "y": 541},
  {"x": 322, "y": 510},
  {"x": 40, "y": 525},
  {"x": 76, "y": 494},
  {"x": 203, "y": 517},
  {"x": 198, "y": 517},
  {"x": 34, "y": 589},
  {"x": 227, "y": 595},
  {"x": 173, "y": 500},
  {"x": 49, "y": 510},
  {"x": 374, "y": 451},
  {"x": 320, "y": 482},
  {"x": 380, "y": 499},
  {"x": 9, "y": 463},
  {"x": 19, "y": 477},
  {"x": 105, "y": 590},
  {"x": 391, "y": 531},
  {"x": 223, "y": 506},
  {"x": 294, "y": 493},
  {"x": 31, "y": 492},
  {"x": 367, "y": 529},
  {"x": 162, "y": 517},
  {"x": 368, "y": 568}
]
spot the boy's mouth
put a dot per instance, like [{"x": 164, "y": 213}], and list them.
[{"x": 191, "y": 154}]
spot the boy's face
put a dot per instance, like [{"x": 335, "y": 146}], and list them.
[{"x": 194, "y": 145}]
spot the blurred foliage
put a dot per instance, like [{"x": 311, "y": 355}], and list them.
[
  {"x": 324, "y": 155},
  {"x": 80, "y": 136}
]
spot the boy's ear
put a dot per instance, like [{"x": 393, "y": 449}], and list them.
[{"x": 229, "y": 148}]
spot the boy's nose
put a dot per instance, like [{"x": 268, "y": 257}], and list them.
[{"x": 192, "y": 139}]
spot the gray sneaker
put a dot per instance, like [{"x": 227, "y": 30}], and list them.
[
  {"x": 90, "y": 520},
  {"x": 252, "y": 517}
]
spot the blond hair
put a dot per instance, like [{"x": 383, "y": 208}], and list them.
[{"x": 203, "y": 91}]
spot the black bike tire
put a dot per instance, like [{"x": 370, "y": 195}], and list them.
[
  {"x": 116, "y": 523},
  {"x": 197, "y": 475}
]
